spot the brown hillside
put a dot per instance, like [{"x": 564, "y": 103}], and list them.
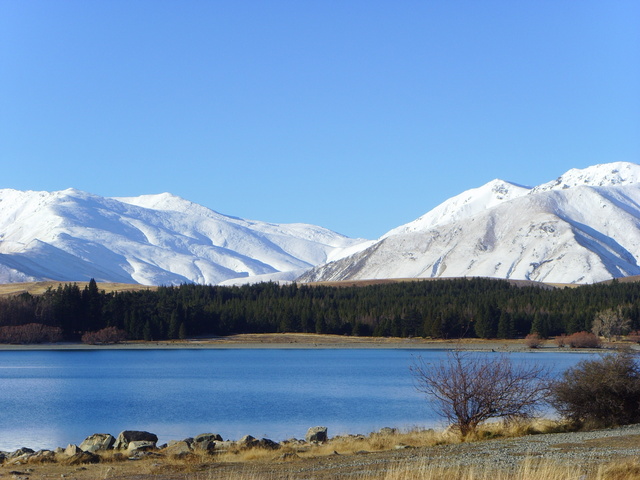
[{"x": 38, "y": 288}]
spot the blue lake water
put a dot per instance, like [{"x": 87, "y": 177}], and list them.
[{"x": 53, "y": 398}]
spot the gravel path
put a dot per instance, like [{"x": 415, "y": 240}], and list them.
[
  {"x": 583, "y": 448},
  {"x": 580, "y": 448}
]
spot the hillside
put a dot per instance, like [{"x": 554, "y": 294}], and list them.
[
  {"x": 152, "y": 240},
  {"x": 580, "y": 228}
]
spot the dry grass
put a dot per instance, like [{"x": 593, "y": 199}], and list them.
[
  {"x": 528, "y": 469},
  {"x": 38, "y": 288},
  {"x": 380, "y": 442}
]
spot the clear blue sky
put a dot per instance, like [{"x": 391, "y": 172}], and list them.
[{"x": 355, "y": 115}]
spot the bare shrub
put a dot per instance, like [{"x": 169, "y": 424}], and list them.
[
  {"x": 600, "y": 392},
  {"x": 533, "y": 340},
  {"x": 104, "y": 336},
  {"x": 561, "y": 340},
  {"x": 470, "y": 389},
  {"x": 610, "y": 323},
  {"x": 583, "y": 340},
  {"x": 30, "y": 333}
]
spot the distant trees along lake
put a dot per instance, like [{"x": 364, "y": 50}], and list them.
[{"x": 454, "y": 308}]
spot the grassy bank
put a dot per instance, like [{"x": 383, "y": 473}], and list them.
[{"x": 390, "y": 455}]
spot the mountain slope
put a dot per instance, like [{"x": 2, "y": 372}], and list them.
[
  {"x": 580, "y": 228},
  {"x": 153, "y": 239}
]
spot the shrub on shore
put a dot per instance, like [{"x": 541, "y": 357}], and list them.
[
  {"x": 583, "y": 340},
  {"x": 105, "y": 336},
  {"x": 30, "y": 333},
  {"x": 602, "y": 392},
  {"x": 533, "y": 340}
]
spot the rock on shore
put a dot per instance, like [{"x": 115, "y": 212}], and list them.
[{"x": 133, "y": 444}]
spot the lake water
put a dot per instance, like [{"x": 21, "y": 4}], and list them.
[{"x": 53, "y": 398}]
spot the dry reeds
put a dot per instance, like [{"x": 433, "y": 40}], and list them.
[{"x": 528, "y": 469}]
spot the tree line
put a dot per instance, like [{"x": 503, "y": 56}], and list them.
[{"x": 455, "y": 308}]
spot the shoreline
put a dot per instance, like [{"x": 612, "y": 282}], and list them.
[
  {"x": 288, "y": 341},
  {"x": 372, "y": 457}
]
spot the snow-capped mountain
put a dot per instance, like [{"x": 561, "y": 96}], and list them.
[
  {"x": 583, "y": 227},
  {"x": 152, "y": 239}
]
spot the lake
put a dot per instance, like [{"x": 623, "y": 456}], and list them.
[{"x": 53, "y": 398}]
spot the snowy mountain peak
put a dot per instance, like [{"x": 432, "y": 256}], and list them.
[
  {"x": 160, "y": 201},
  {"x": 603, "y": 175},
  {"x": 583, "y": 227},
  {"x": 464, "y": 205},
  {"x": 162, "y": 239}
]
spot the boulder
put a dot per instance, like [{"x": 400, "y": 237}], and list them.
[
  {"x": 206, "y": 442},
  {"x": 128, "y": 436},
  {"x": 188, "y": 441},
  {"x": 82, "y": 458},
  {"x": 97, "y": 442},
  {"x": 177, "y": 449},
  {"x": 72, "y": 450},
  {"x": 20, "y": 452},
  {"x": 207, "y": 437},
  {"x": 316, "y": 435},
  {"x": 43, "y": 456},
  {"x": 247, "y": 441},
  {"x": 267, "y": 444},
  {"x": 140, "y": 446}
]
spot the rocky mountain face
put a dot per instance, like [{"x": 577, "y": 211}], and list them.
[
  {"x": 153, "y": 239},
  {"x": 580, "y": 228}
]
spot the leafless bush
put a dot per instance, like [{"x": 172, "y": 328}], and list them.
[
  {"x": 469, "y": 389},
  {"x": 106, "y": 335},
  {"x": 561, "y": 340},
  {"x": 610, "y": 323},
  {"x": 30, "y": 333},
  {"x": 533, "y": 340},
  {"x": 583, "y": 340},
  {"x": 603, "y": 392}
]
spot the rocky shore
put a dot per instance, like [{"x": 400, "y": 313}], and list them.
[
  {"x": 136, "y": 455},
  {"x": 134, "y": 445}
]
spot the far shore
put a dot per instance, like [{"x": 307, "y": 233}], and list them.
[{"x": 315, "y": 341}]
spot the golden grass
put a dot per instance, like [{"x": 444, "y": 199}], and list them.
[
  {"x": 528, "y": 469},
  {"x": 38, "y": 288},
  {"x": 379, "y": 442}
]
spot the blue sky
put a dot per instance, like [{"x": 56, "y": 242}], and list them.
[{"x": 355, "y": 115}]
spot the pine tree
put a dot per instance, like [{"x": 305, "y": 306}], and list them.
[{"x": 505, "y": 325}]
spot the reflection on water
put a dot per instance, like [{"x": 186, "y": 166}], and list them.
[{"x": 52, "y": 398}]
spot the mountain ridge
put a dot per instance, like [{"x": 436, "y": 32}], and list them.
[
  {"x": 580, "y": 228},
  {"x": 152, "y": 239}
]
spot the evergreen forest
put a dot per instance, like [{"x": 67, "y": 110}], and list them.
[{"x": 456, "y": 308}]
